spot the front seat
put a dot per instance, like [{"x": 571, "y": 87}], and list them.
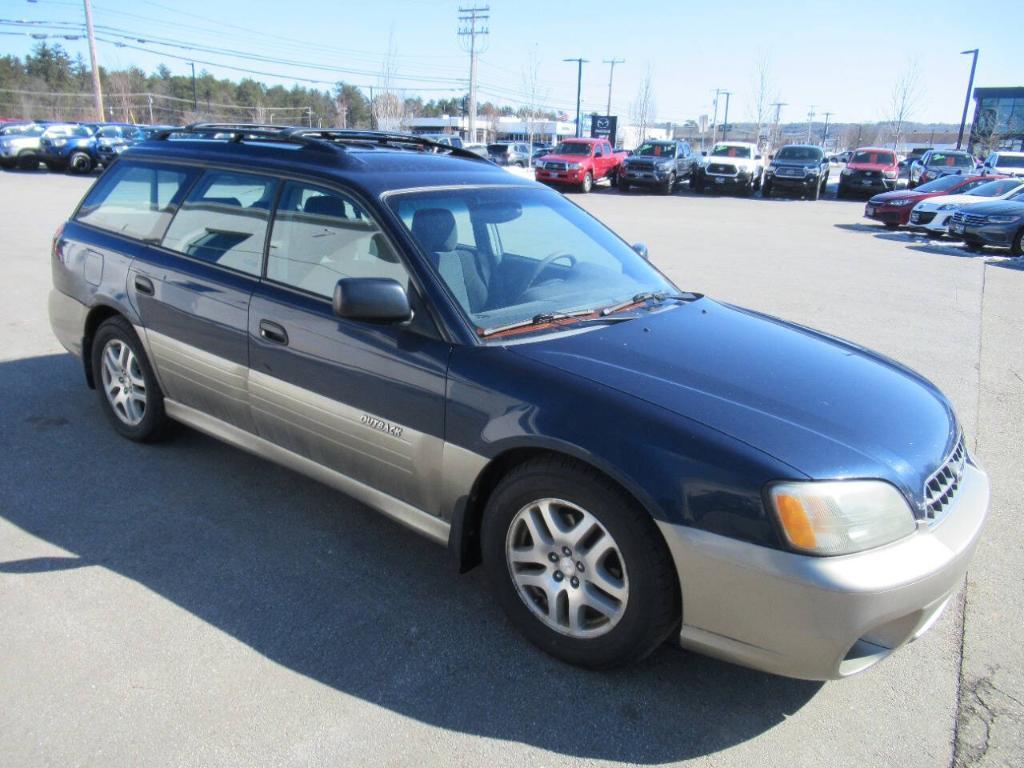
[{"x": 435, "y": 231}]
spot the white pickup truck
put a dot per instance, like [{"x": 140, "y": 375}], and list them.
[{"x": 730, "y": 165}]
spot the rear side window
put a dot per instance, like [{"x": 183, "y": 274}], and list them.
[
  {"x": 136, "y": 200},
  {"x": 224, "y": 220}
]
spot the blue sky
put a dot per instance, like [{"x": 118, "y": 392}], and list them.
[{"x": 838, "y": 56}]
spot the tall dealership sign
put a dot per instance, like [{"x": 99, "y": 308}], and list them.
[{"x": 604, "y": 127}]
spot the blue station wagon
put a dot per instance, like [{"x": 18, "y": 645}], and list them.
[{"x": 475, "y": 356}]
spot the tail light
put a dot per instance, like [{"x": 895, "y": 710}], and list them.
[{"x": 58, "y": 244}]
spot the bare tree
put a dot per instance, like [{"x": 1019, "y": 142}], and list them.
[
  {"x": 762, "y": 97},
  {"x": 534, "y": 94},
  {"x": 641, "y": 110},
  {"x": 903, "y": 102},
  {"x": 389, "y": 105}
]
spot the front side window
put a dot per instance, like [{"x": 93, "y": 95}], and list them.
[
  {"x": 543, "y": 254},
  {"x": 136, "y": 200},
  {"x": 321, "y": 236},
  {"x": 224, "y": 220}
]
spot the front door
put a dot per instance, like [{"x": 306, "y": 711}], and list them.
[{"x": 364, "y": 400}]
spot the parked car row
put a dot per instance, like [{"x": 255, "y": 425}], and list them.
[
  {"x": 980, "y": 209},
  {"x": 75, "y": 147}
]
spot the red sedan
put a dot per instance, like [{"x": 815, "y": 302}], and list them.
[{"x": 893, "y": 208}]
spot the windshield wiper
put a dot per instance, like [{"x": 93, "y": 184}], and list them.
[
  {"x": 544, "y": 318},
  {"x": 644, "y": 297}
]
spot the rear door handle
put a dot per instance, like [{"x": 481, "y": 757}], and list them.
[
  {"x": 144, "y": 285},
  {"x": 271, "y": 331}
]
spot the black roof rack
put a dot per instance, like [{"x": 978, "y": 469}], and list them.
[{"x": 319, "y": 138}]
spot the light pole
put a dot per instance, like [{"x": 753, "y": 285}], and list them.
[
  {"x": 967, "y": 98},
  {"x": 579, "y": 87},
  {"x": 824, "y": 133},
  {"x": 195, "y": 93},
  {"x": 714, "y": 120}
]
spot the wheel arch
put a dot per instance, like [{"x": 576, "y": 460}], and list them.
[
  {"x": 97, "y": 315},
  {"x": 467, "y": 521}
]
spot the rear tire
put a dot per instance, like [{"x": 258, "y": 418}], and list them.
[
  {"x": 601, "y": 589},
  {"x": 766, "y": 190},
  {"x": 816, "y": 192},
  {"x": 125, "y": 383},
  {"x": 623, "y": 186}
]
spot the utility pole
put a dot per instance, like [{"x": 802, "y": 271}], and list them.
[
  {"x": 725, "y": 122},
  {"x": 611, "y": 74},
  {"x": 824, "y": 133},
  {"x": 579, "y": 89},
  {"x": 309, "y": 111},
  {"x": 151, "y": 120},
  {"x": 97, "y": 89},
  {"x": 471, "y": 25},
  {"x": 967, "y": 98},
  {"x": 195, "y": 93},
  {"x": 810, "y": 119},
  {"x": 714, "y": 120},
  {"x": 778, "y": 115}
]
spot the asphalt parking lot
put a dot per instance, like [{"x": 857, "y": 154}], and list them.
[{"x": 188, "y": 604}]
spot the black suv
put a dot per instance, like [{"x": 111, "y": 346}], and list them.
[
  {"x": 659, "y": 165},
  {"x": 476, "y": 357},
  {"x": 799, "y": 168}
]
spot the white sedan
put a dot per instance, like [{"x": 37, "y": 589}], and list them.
[{"x": 934, "y": 213}]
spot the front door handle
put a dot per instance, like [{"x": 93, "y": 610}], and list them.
[
  {"x": 144, "y": 285},
  {"x": 271, "y": 331}
]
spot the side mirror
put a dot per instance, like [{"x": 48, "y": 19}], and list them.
[
  {"x": 371, "y": 299},
  {"x": 641, "y": 248}
]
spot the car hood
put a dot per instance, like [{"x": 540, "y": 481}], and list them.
[
  {"x": 739, "y": 161},
  {"x": 825, "y": 407},
  {"x": 902, "y": 194},
  {"x": 936, "y": 202},
  {"x": 566, "y": 158},
  {"x": 998, "y": 207},
  {"x": 18, "y": 141}
]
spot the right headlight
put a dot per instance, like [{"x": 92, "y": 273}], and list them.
[{"x": 841, "y": 517}]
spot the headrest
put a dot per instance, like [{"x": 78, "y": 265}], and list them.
[
  {"x": 434, "y": 229},
  {"x": 379, "y": 247},
  {"x": 234, "y": 202},
  {"x": 325, "y": 205}
]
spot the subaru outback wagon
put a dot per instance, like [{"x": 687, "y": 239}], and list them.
[{"x": 475, "y": 356}]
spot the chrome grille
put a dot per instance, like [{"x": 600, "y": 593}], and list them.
[
  {"x": 553, "y": 166},
  {"x": 970, "y": 219},
  {"x": 940, "y": 489},
  {"x": 790, "y": 172},
  {"x": 722, "y": 168}
]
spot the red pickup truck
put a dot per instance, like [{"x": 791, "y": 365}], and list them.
[{"x": 580, "y": 162}]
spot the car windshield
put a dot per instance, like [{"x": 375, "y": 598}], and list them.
[
  {"x": 1010, "y": 161},
  {"x": 812, "y": 154},
  {"x": 874, "y": 158},
  {"x": 572, "y": 148},
  {"x": 511, "y": 254},
  {"x": 941, "y": 184},
  {"x": 25, "y": 130},
  {"x": 655, "y": 149},
  {"x": 723, "y": 150},
  {"x": 995, "y": 188},
  {"x": 950, "y": 160}
]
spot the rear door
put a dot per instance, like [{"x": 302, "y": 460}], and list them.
[
  {"x": 362, "y": 399},
  {"x": 193, "y": 292}
]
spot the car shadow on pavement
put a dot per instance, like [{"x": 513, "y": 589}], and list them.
[{"x": 325, "y": 587}]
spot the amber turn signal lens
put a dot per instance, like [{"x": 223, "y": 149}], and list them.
[{"x": 794, "y": 520}]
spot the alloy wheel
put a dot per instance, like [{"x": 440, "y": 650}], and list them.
[
  {"x": 567, "y": 568},
  {"x": 124, "y": 382}
]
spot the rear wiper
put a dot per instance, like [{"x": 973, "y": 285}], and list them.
[{"x": 644, "y": 297}]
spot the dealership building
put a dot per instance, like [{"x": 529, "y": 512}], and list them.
[
  {"x": 998, "y": 119},
  {"x": 511, "y": 128}
]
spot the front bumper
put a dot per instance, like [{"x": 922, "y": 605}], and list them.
[
  {"x": 822, "y": 618},
  {"x": 999, "y": 235},
  {"x": 561, "y": 177},
  {"x": 875, "y": 184},
  {"x": 931, "y": 221},
  {"x": 895, "y": 214},
  {"x": 645, "y": 176},
  {"x": 794, "y": 182}
]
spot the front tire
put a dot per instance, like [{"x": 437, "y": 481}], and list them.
[
  {"x": 80, "y": 162},
  {"x": 587, "y": 183},
  {"x": 623, "y": 186},
  {"x": 766, "y": 190},
  {"x": 579, "y": 567},
  {"x": 669, "y": 184},
  {"x": 1017, "y": 247},
  {"x": 128, "y": 391}
]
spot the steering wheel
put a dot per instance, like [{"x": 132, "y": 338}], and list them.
[{"x": 545, "y": 263}]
